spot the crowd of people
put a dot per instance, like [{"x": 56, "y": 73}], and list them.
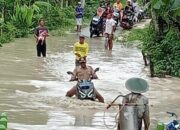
[
  {"x": 114, "y": 15},
  {"x": 84, "y": 73}
]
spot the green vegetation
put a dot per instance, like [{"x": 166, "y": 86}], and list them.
[
  {"x": 161, "y": 40},
  {"x": 18, "y": 18}
]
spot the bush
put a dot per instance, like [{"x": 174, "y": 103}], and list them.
[
  {"x": 8, "y": 33},
  {"x": 163, "y": 50}
]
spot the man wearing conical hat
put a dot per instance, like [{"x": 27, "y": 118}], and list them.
[{"x": 137, "y": 86}]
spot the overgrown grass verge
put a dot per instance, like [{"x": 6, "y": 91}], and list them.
[{"x": 165, "y": 53}]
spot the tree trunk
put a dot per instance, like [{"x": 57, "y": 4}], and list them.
[
  {"x": 144, "y": 58},
  {"x": 62, "y": 3},
  {"x": 83, "y": 3},
  {"x": 155, "y": 21},
  {"x": 67, "y": 3},
  {"x": 151, "y": 66},
  {"x": 58, "y": 2},
  {"x": 2, "y": 16}
]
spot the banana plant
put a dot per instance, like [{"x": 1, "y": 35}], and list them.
[
  {"x": 167, "y": 10},
  {"x": 23, "y": 16}
]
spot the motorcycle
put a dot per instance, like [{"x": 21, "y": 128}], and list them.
[
  {"x": 96, "y": 26},
  {"x": 116, "y": 15},
  {"x": 141, "y": 15},
  {"x": 127, "y": 20},
  {"x": 85, "y": 88},
  {"x": 172, "y": 125}
]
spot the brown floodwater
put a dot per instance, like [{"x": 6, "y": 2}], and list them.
[{"x": 32, "y": 89}]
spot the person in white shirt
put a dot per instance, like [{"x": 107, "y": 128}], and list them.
[
  {"x": 109, "y": 31},
  {"x": 137, "y": 9}
]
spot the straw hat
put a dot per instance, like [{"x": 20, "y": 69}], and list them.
[{"x": 137, "y": 85}]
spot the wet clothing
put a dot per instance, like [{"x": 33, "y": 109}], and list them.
[
  {"x": 143, "y": 108},
  {"x": 41, "y": 49},
  {"x": 41, "y": 42},
  {"x": 81, "y": 49}
]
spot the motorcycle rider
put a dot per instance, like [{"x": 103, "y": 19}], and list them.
[
  {"x": 100, "y": 11},
  {"x": 138, "y": 86},
  {"x": 83, "y": 72},
  {"x": 137, "y": 9},
  {"x": 130, "y": 5},
  {"x": 127, "y": 23},
  {"x": 118, "y": 5}
]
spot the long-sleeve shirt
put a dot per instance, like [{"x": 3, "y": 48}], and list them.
[{"x": 81, "y": 49}]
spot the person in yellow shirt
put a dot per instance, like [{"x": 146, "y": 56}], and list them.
[
  {"x": 118, "y": 5},
  {"x": 80, "y": 49}
]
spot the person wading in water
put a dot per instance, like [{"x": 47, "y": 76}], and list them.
[
  {"x": 137, "y": 86},
  {"x": 109, "y": 32},
  {"x": 40, "y": 33},
  {"x": 80, "y": 49},
  {"x": 83, "y": 72}
]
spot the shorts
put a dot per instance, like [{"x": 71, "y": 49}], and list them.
[
  {"x": 79, "y": 21},
  {"x": 110, "y": 37}
]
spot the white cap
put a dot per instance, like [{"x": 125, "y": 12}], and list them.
[{"x": 79, "y": 3}]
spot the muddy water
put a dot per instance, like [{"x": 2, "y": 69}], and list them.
[{"x": 32, "y": 90}]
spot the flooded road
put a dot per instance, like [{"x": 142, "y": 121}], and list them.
[{"x": 32, "y": 90}]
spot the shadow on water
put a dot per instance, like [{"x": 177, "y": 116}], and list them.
[{"x": 33, "y": 89}]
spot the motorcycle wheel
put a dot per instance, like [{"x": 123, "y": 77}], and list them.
[{"x": 98, "y": 34}]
